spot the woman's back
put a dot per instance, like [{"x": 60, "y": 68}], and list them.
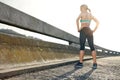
[
  {"x": 85, "y": 19},
  {"x": 86, "y": 16}
]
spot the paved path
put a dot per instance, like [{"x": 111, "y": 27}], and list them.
[{"x": 108, "y": 69}]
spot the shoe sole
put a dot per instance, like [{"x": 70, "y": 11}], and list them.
[{"x": 78, "y": 66}]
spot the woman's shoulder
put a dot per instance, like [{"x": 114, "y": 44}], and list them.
[
  {"x": 91, "y": 15},
  {"x": 86, "y": 15}
]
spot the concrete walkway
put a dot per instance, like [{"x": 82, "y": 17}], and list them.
[{"x": 108, "y": 69}]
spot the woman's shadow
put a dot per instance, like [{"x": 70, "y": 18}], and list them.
[
  {"x": 80, "y": 77},
  {"x": 84, "y": 76}
]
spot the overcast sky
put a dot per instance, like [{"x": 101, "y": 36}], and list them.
[{"x": 63, "y": 13}]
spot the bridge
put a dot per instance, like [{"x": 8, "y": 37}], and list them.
[{"x": 23, "y": 56}]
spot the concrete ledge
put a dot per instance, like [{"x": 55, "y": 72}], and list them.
[
  {"x": 16, "y": 50},
  {"x": 38, "y": 67}
]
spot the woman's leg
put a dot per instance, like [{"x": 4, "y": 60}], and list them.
[
  {"x": 94, "y": 56},
  {"x": 82, "y": 48},
  {"x": 93, "y": 52},
  {"x": 81, "y": 55},
  {"x": 82, "y": 45},
  {"x": 91, "y": 44}
]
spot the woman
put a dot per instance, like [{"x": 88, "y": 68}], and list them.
[{"x": 85, "y": 18}]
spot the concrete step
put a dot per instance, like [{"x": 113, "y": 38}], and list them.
[{"x": 13, "y": 71}]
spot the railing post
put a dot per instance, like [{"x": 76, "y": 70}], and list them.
[
  {"x": 103, "y": 51},
  {"x": 70, "y": 42}
]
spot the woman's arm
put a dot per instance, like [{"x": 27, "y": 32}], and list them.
[
  {"x": 97, "y": 24},
  {"x": 77, "y": 22}
]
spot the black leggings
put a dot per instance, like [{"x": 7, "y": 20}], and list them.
[{"x": 86, "y": 33}]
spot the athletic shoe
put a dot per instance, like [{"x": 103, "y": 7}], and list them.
[
  {"x": 94, "y": 66},
  {"x": 79, "y": 65}
]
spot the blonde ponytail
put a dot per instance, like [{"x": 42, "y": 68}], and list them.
[{"x": 89, "y": 10}]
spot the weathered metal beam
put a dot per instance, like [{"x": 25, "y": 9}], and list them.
[{"x": 14, "y": 17}]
